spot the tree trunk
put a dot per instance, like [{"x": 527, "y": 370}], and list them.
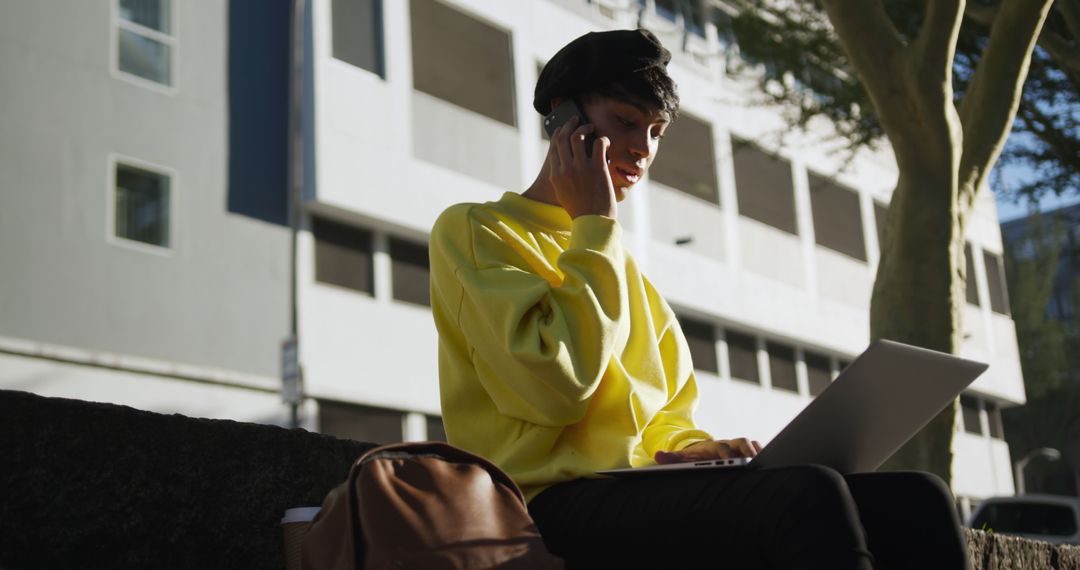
[
  {"x": 944, "y": 155},
  {"x": 911, "y": 301}
]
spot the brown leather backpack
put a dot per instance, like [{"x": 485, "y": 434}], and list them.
[{"x": 425, "y": 505}]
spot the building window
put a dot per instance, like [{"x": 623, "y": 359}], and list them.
[
  {"x": 145, "y": 39},
  {"x": 881, "y": 212},
  {"x": 782, "y": 367},
  {"x": 343, "y": 256},
  {"x": 837, "y": 217},
  {"x": 687, "y": 161},
  {"x": 993, "y": 415},
  {"x": 969, "y": 408},
  {"x": 435, "y": 429},
  {"x": 701, "y": 338},
  {"x": 818, "y": 373},
  {"x": 667, "y": 9},
  {"x": 681, "y": 11},
  {"x": 462, "y": 60},
  {"x": 970, "y": 285},
  {"x": 360, "y": 423},
  {"x": 764, "y": 187},
  {"x": 995, "y": 278},
  {"x": 357, "y": 34},
  {"x": 742, "y": 356},
  {"x": 410, "y": 272},
  {"x": 142, "y": 205}
]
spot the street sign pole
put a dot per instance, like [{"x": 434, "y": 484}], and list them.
[{"x": 292, "y": 381}]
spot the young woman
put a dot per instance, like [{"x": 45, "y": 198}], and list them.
[{"x": 559, "y": 359}]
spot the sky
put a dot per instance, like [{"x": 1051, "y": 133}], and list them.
[
  {"x": 1007, "y": 210},
  {"x": 1015, "y": 174}
]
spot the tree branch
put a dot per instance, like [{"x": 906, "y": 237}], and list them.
[
  {"x": 989, "y": 107},
  {"x": 1065, "y": 55},
  {"x": 981, "y": 13},
  {"x": 1058, "y": 46},
  {"x": 935, "y": 46},
  {"x": 877, "y": 53},
  {"x": 1070, "y": 12}
]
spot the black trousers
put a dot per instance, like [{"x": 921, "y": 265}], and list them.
[{"x": 805, "y": 517}]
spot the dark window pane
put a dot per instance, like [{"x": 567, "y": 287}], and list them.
[
  {"x": 1027, "y": 518},
  {"x": 343, "y": 256},
  {"x": 818, "y": 374},
  {"x": 357, "y": 33},
  {"x": 409, "y": 272},
  {"x": 462, "y": 60},
  {"x": 993, "y": 415},
  {"x": 880, "y": 213},
  {"x": 435, "y": 431},
  {"x": 360, "y": 423},
  {"x": 687, "y": 161},
  {"x": 153, "y": 14},
  {"x": 837, "y": 218},
  {"x": 667, "y": 9},
  {"x": 142, "y": 205},
  {"x": 701, "y": 338},
  {"x": 969, "y": 407},
  {"x": 782, "y": 367},
  {"x": 995, "y": 278},
  {"x": 764, "y": 188},
  {"x": 970, "y": 284},
  {"x": 695, "y": 16},
  {"x": 143, "y": 56},
  {"x": 742, "y": 356}
]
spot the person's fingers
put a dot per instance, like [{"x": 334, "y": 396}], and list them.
[
  {"x": 577, "y": 140},
  {"x": 553, "y": 153},
  {"x": 599, "y": 151},
  {"x": 742, "y": 447},
  {"x": 566, "y": 131},
  {"x": 667, "y": 457},
  {"x": 556, "y": 144},
  {"x": 757, "y": 446}
]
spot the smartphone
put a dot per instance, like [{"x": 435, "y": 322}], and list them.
[{"x": 562, "y": 113}]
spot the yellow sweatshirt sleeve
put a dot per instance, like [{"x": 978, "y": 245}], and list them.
[
  {"x": 673, "y": 427},
  {"x": 540, "y": 347}
]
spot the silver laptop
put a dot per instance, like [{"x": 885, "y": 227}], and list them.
[{"x": 872, "y": 408}]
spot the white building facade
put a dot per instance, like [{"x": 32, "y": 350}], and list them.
[{"x": 758, "y": 238}]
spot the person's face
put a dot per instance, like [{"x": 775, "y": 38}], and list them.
[{"x": 634, "y": 133}]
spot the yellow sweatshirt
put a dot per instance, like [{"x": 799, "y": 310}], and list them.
[{"x": 557, "y": 358}]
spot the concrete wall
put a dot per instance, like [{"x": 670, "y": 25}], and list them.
[{"x": 218, "y": 296}]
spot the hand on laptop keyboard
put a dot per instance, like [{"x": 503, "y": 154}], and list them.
[{"x": 716, "y": 449}]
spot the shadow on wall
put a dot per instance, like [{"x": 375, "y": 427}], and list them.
[{"x": 258, "y": 84}]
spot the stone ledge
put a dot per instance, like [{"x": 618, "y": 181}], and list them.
[
  {"x": 1002, "y": 552},
  {"x": 87, "y": 485},
  {"x": 98, "y": 485}
]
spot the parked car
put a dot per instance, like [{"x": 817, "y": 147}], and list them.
[{"x": 1053, "y": 518}]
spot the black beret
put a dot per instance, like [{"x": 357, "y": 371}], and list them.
[{"x": 594, "y": 60}]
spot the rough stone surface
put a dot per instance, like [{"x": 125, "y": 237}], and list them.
[
  {"x": 85, "y": 485},
  {"x": 991, "y": 551}
]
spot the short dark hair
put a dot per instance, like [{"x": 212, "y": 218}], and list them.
[{"x": 650, "y": 89}]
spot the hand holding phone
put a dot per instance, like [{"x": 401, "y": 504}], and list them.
[
  {"x": 562, "y": 113},
  {"x": 582, "y": 182}
]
